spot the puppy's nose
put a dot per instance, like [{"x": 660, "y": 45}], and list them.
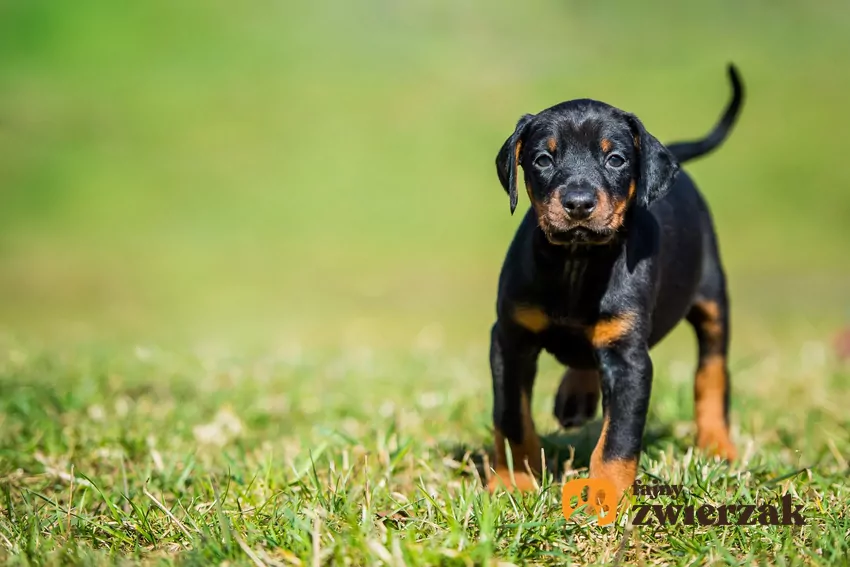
[{"x": 579, "y": 203}]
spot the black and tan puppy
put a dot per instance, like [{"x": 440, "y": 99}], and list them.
[{"x": 617, "y": 247}]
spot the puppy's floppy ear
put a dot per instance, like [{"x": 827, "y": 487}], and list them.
[
  {"x": 507, "y": 160},
  {"x": 658, "y": 167}
]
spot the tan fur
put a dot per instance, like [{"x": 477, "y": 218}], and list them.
[
  {"x": 620, "y": 473},
  {"x": 607, "y": 331},
  {"x": 711, "y": 324},
  {"x": 531, "y": 318},
  {"x": 709, "y": 394},
  {"x": 553, "y": 218}
]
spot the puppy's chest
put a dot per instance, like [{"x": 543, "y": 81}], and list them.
[
  {"x": 566, "y": 314},
  {"x": 564, "y": 304},
  {"x": 571, "y": 299}
]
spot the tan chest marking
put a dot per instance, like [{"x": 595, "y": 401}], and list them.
[
  {"x": 531, "y": 318},
  {"x": 605, "y": 332}
]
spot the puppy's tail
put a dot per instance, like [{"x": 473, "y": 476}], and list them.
[{"x": 685, "y": 151}]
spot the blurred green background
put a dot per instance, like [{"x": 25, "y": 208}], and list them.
[{"x": 322, "y": 171}]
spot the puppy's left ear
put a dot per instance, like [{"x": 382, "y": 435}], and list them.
[
  {"x": 658, "y": 167},
  {"x": 507, "y": 160}
]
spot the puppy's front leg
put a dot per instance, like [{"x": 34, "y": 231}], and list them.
[
  {"x": 626, "y": 384},
  {"x": 513, "y": 363}
]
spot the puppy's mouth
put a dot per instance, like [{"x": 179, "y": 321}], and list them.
[
  {"x": 580, "y": 235},
  {"x": 601, "y": 227}
]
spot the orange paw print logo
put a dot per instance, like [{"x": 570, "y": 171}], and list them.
[{"x": 600, "y": 496}]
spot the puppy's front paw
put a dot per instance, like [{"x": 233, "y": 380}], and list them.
[
  {"x": 502, "y": 480},
  {"x": 716, "y": 442}
]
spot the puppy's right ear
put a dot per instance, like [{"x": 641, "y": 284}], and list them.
[{"x": 507, "y": 160}]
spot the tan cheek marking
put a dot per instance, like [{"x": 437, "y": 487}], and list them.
[
  {"x": 605, "y": 332},
  {"x": 620, "y": 207},
  {"x": 554, "y": 207},
  {"x": 531, "y": 318},
  {"x": 539, "y": 208},
  {"x": 619, "y": 472},
  {"x": 552, "y": 144},
  {"x": 550, "y": 213},
  {"x": 603, "y": 206},
  {"x": 605, "y": 145}
]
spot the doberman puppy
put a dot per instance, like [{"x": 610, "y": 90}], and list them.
[{"x": 617, "y": 247}]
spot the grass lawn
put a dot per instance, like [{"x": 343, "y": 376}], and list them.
[
  {"x": 298, "y": 458},
  {"x": 248, "y": 261}
]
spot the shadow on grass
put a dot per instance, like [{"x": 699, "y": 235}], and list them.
[{"x": 566, "y": 450}]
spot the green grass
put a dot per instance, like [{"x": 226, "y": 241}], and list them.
[
  {"x": 248, "y": 258},
  {"x": 364, "y": 458}
]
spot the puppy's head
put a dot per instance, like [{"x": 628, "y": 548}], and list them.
[{"x": 585, "y": 164}]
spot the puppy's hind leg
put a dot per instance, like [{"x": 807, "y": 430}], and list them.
[
  {"x": 577, "y": 398},
  {"x": 709, "y": 317}
]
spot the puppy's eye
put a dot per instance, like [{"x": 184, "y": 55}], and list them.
[
  {"x": 616, "y": 161},
  {"x": 543, "y": 161}
]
